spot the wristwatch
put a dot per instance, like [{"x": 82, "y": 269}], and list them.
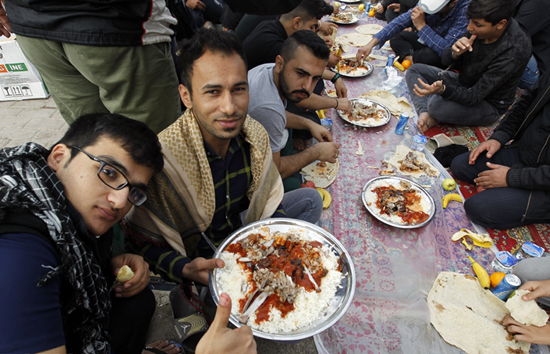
[{"x": 335, "y": 77}]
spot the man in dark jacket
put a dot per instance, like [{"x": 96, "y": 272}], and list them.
[
  {"x": 513, "y": 180},
  {"x": 57, "y": 209}
]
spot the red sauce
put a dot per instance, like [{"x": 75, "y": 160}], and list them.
[
  {"x": 236, "y": 248},
  {"x": 411, "y": 198},
  {"x": 316, "y": 244},
  {"x": 262, "y": 314}
]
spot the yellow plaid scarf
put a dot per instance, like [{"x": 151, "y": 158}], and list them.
[{"x": 181, "y": 199}]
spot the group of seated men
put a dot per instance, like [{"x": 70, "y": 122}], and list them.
[{"x": 221, "y": 165}]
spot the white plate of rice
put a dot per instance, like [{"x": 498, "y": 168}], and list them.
[
  {"x": 370, "y": 198},
  {"x": 313, "y": 311}
]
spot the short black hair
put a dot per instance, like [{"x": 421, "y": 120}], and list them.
[
  {"x": 206, "y": 39},
  {"x": 492, "y": 11},
  {"x": 134, "y": 136},
  {"x": 308, "y": 39},
  {"x": 309, "y": 9}
]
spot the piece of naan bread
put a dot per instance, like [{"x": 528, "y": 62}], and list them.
[
  {"x": 395, "y": 105},
  {"x": 354, "y": 39},
  {"x": 321, "y": 173},
  {"x": 526, "y": 312},
  {"x": 401, "y": 152},
  {"x": 469, "y": 317},
  {"x": 371, "y": 28}
]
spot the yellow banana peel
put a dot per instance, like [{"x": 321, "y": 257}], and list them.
[{"x": 480, "y": 240}]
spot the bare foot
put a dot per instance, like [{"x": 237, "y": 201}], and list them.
[
  {"x": 425, "y": 122},
  {"x": 164, "y": 346},
  {"x": 300, "y": 144}
]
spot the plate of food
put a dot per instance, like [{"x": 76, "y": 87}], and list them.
[
  {"x": 398, "y": 202},
  {"x": 366, "y": 113},
  {"x": 344, "y": 18},
  {"x": 349, "y": 1},
  {"x": 351, "y": 68},
  {"x": 322, "y": 174},
  {"x": 288, "y": 279}
]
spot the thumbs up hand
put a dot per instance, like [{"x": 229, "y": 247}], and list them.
[{"x": 220, "y": 339}]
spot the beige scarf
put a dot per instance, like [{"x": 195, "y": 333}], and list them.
[{"x": 181, "y": 199}]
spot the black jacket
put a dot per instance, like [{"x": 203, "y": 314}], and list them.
[{"x": 528, "y": 124}]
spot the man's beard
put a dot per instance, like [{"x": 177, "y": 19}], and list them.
[{"x": 285, "y": 89}]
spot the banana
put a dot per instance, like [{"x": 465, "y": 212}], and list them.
[
  {"x": 480, "y": 240},
  {"x": 481, "y": 274},
  {"x": 451, "y": 196},
  {"x": 327, "y": 198},
  {"x": 124, "y": 274}
]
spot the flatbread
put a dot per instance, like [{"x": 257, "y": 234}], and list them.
[
  {"x": 355, "y": 39},
  {"x": 321, "y": 173},
  {"x": 387, "y": 99},
  {"x": 526, "y": 312},
  {"x": 401, "y": 152},
  {"x": 371, "y": 28},
  {"x": 469, "y": 317}
]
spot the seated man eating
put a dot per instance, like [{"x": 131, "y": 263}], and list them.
[
  {"x": 490, "y": 62},
  {"x": 513, "y": 180},
  {"x": 218, "y": 166},
  {"x": 57, "y": 209},
  {"x": 292, "y": 78}
]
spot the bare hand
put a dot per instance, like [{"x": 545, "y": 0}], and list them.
[
  {"x": 341, "y": 91},
  {"x": 491, "y": 146},
  {"x": 197, "y": 269},
  {"x": 344, "y": 104},
  {"x": 493, "y": 178},
  {"x": 395, "y": 6},
  {"x": 327, "y": 27},
  {"x": 530, "y": 334},
  {"x": 426, "y": 89},
  {"x": 380, "y": 8},
  {"x": 463, "y": 45},
  {"x": 319, "y": 132},
  {"x": 5, "y": 27},
  {"x": 220, "y": 339},
  {"x": 141, "y": 274},
  {"x": 332, "y": 60},
  {"x": 328, "y": 41},
  {"x": 538, "y": 289},
  {"x": 326, "y": 151},
  {"x": 365, "y": 51},
  {"x": 195, "y": 5},
  {"x": 418, "y": 18}
]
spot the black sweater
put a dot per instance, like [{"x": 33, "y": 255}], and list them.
[{"x": 490, "y": 72}]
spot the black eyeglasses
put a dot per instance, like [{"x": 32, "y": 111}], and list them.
[{"x": 115, "y": 179}]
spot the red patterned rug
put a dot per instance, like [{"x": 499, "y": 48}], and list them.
[{"x": 505, "y": 240}]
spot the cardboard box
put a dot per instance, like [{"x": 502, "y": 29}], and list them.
[{"x": 19, "y": 79}]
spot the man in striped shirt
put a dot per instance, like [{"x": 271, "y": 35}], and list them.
[{"x": 435, "y": 24}]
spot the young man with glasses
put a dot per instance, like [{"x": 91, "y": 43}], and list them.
[{"x": 57, "y": 270}]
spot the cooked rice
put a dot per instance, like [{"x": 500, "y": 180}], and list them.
[{"x": 308, "y": 306}]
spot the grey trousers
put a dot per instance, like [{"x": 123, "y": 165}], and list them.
[
  {"x": 534, "y": 269},
  {"x": 447, "y": 111}
]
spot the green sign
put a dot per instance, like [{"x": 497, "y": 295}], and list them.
[{"x": 17, "y": 67}]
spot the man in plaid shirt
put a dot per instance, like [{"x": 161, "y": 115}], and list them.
[{"x": 436, "y": 25}]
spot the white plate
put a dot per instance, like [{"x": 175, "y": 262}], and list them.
[
  {"x": 417, "y": 186},
  {"x": 369, "y": 71},
  {"x": 354, "y": 19},
  {"x": 378, "y": 123}
]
